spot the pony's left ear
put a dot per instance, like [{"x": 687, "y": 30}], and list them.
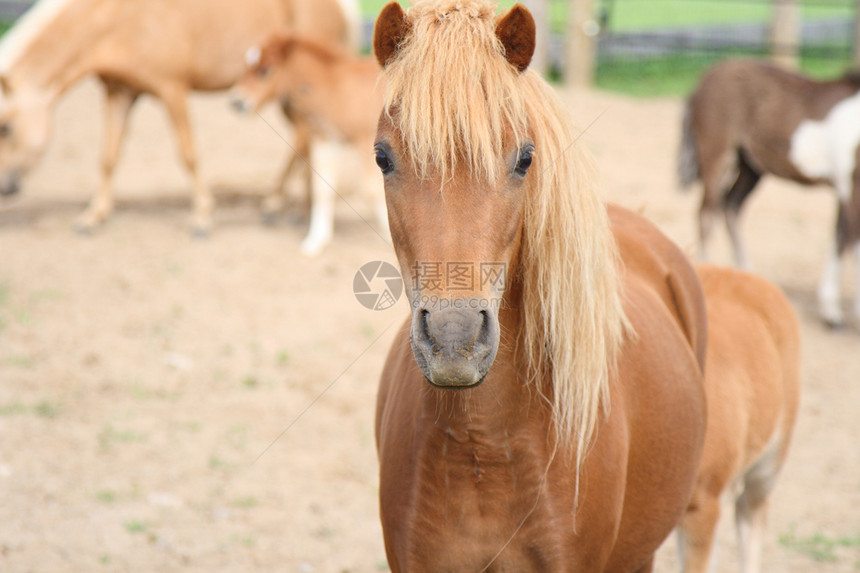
[
  {"x": 516, "y": 31},
  {"x": 5, "y": 86},
  {"x": 390, "y": 29}
]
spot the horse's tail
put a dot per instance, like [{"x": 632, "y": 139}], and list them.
[
  {"x": 352, "y": 15},
  {"x": 688, "y": 164}
]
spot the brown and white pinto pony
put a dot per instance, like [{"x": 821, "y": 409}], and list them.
[
  {"x": 549, "y": 417},
  {"x": 335, "y": 95},
  {"x": 747, "y": 119},
  {"x": 752, "y": 380},
  {"x": 163, "y": 48}
]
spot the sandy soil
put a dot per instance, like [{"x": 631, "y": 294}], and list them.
[{"x": 171, "y": 404}]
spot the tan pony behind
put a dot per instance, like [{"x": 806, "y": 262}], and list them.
[
  {"x": 163, "y": 48},
  {"x": 753, "y": 387},
  {"x": 543, "y": 408},
  {"x": 334, "y": 94}
]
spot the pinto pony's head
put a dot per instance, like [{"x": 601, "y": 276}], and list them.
[
  {"x": 25, "y": 122},
  {"x": 491, "y": 200}
]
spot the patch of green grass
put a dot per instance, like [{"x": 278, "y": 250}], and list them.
[
  {"x": 45, "y": 409},
  {"x": 630, "y": 15},
  {"x": 283, "y": 357},
  {"x": 246, "y": 502},
  {"x": 819, "y": 547},
  {"x": 12, "y": 409},
  {"x": 110, "y": 436},
  {"x": 678, "y": 74},
  {"x": 105, "y": 558},
  {"x": 136, "y": 526},
  {"x": 251, "y": 382},
  {"x": 217, "y": 463},
  {"x": 105, "y": 496}
]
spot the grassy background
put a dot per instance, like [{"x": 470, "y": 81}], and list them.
[{"x": 678, "y": 73}]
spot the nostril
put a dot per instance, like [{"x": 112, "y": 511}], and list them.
[
  {"x": 423, "y": 326},
  {"x": 484, "y": 332}
]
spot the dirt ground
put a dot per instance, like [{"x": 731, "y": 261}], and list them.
[{"x": 172, "y": 404}]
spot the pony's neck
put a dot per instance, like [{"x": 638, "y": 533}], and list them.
[{"x": 59, "y": 47}]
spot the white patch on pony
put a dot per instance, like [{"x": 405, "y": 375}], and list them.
[
  {"x": 26, "y": 29},
  {"x": 252, "y": 56},
  {"x": 829, "y": 289},
  {"x": 826, "y": 148}
]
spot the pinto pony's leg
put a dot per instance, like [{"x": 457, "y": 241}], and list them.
[
  {"x": 830, "y": 285},
  {"x": 176, "y": 101},
  {"x": 717, "y": 167},
  {"x": 118, "y": 102},
  {"x": 325, "y": 157},
  {"x": 733, "y": 201}
]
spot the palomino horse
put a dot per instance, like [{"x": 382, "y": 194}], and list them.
[
  {"x": 752, "y": 381},
  {"x": 543, "y": 409},
  {"x": 747, "y": 119},
  {"x": 164, "y": 48},
  {"x": 335, "y": 94}
]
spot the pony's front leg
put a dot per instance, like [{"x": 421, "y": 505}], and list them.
[
  {"x": 297, "y": 163},
  {"x": 175, "y": 100},
  {"x": 325, "y": 157},
  {"x": 118, "y": 102}
]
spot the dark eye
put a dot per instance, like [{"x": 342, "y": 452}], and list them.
[
  {"x": 5, "y": 130},
  {"x": 383, "y": 162},
  {"x": 263, "y": 71},
  {"x": 524, "y": 161}
]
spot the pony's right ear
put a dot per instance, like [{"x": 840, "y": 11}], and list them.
[
  {"x": 5, "y": 86},
  {"x": 391, "y": 27}
]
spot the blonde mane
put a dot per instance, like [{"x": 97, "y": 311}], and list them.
[
  {"x": 26, "y": 29},
  {"x": 455, "y": 98}
]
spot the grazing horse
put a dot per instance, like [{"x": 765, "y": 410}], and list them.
[
  {"x": 332, "y": 92},
  {"x": 749, "y": 118},
  {"x": 543, "y": 409},
  {"x": 752, "y": 381},
  {"x": 164, "y": 48}
]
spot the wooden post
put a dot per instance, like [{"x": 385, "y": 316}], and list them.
[
  {"x": 785, "y": 33},
  {"x": 579, "y": 44},
  {"x": 540, "y": 11}
]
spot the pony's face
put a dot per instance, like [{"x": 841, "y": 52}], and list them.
[
  {"x": 456, "y": 230},
  {"x": 267, "y": 75},
  {"x": 24, "y": 130},
  {"x": 456, "y": 241}
]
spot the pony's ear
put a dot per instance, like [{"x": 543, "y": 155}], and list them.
[
  {"x": 516, "y": 31},
  {"x": 391, "y": 27},
  {"x": 5, "y": 86}
]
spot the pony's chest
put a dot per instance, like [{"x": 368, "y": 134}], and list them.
[{"x": 484, "y": 509}]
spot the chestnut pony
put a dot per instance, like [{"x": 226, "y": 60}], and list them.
[
  {"x": 162, "y": 48},
  {"x": 752, "y": 381},
  {"x": 543, "y": 409}
]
